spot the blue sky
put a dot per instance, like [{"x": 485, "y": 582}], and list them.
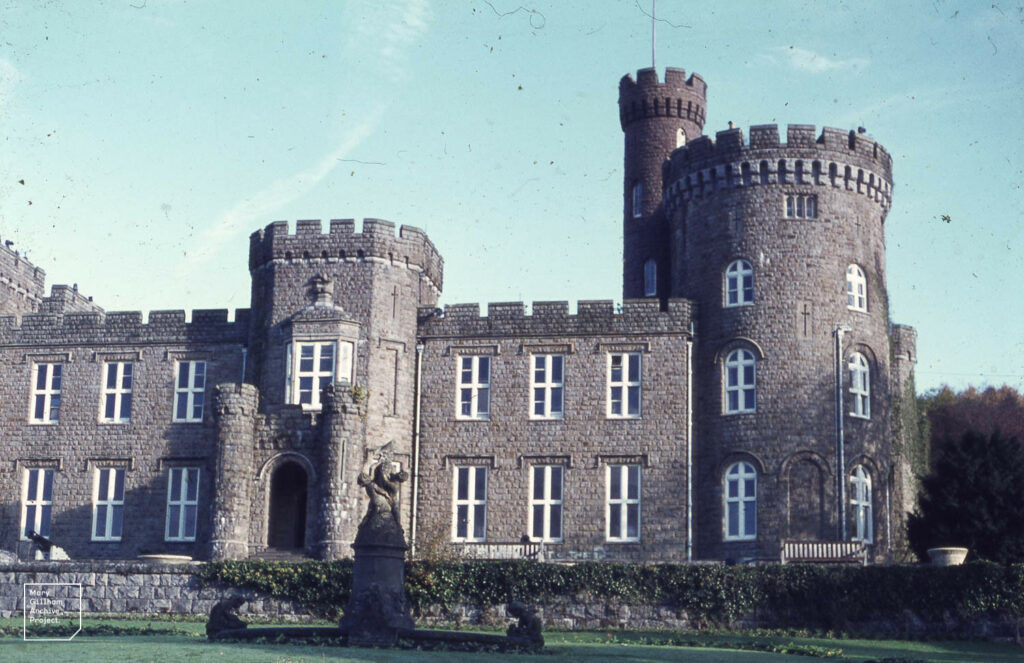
[{"x": 153, "y": 136}]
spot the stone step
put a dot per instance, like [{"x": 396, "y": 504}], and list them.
[{"x": 281, "y": 555}]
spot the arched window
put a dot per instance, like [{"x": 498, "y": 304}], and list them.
[
  {"x": 740, "y": 502},
  {"x": 860, "y": 386},
  {"x": 638, "y": 199},
  {"x": 856, "y": 289},
  {"x": 650, "y": 278},
  {"x": 739, "y": 284},
  {"x": 740, "y": 390},
  {"x": 680, "y": 137},
  {"x": 860, "y": 500}
]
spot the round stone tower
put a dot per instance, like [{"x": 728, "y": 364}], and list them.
[
  {"x": 656, "y": 118},
  {"x": 782, "y": 246}
]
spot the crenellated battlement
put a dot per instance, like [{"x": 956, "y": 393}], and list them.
[
  {"x": 22, "y": 284},
  {"x": 125, "y": 327},
  {"x": 377, "y": 242},
  {"x": 844, "y": 160},
  {"x": 553, "y": 319},
  {"x": 646, "y": 97}
]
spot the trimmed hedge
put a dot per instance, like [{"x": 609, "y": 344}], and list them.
[{"x": 803, "y": 596}]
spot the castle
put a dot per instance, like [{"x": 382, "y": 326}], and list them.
[{"x": 748, "y": 391}]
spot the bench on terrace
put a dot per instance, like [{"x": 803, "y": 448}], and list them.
[{"x": 824, "y": 552}]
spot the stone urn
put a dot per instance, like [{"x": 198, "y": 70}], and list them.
[{"x": 947, "y": 556}]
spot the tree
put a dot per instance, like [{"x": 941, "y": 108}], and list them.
[
  {"x": 974, "y": 498},
  {"x": 948, "y": 414}
]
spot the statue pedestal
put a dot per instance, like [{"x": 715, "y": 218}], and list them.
[{"x": 377, "y": 609}]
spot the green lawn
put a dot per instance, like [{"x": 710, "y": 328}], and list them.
[{"x": 184, "y": 643}]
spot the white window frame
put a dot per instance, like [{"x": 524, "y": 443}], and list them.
[
  {"x": 619, "y": 507},
  {"x": 118, "y": 394},
  {"x": 182, "y": 503},
  {"x": 860, "y": 500},
  {"x": 737, "y": 477},
  {"x": 860, "y": 386},
  {"x": 740, "y": 364},
  {"x": 547, "y": 494},
  {"x": 547, "y": 387},
  {"x": 637, "y": 199},
  {"x": 473, "y": 387},
  {"x": 856, "y": 289},
  {"x": 36, "y": 501},
  {"x": 473, "y": 501},
  {"x": 801, "y": 206},
  {"x": 623, "y": 383},
  {"x": 44, "y": 405},
  {"x": 107, "y": 503},
  {"x": 340, "y": 371},
  {"x": 651, "y": 278},
  {"x": 190, "y": 394},
  {"x": 739, "y": 284}
]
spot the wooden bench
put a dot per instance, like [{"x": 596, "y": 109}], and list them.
[{"x": 824, "y": 552}]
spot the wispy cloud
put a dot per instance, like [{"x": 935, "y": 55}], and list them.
[
  {"x": 806, "y": 60},
  {"x": 257, "y": 208},
  {"x": 403, "y": 24},
  {"x": 9, "y": 79}
]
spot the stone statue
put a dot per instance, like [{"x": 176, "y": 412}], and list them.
[
  {"x": 526, "y": 633},
  {"x": 381, "y": 524},
  {"x": 377, "y": 609},
  {"x": 224, "y": 617}
]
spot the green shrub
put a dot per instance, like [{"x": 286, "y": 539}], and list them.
[{"x": 804, "y": 596}]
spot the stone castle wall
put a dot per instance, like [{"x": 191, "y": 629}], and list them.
[
  {"x": 79, "y": 443},
  {"x": 726, "y": 201},
  {"x": 585, "y": 441}
]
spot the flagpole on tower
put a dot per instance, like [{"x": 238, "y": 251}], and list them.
[{"x": 654, "y": 34}]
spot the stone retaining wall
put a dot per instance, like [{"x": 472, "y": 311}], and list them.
[{"x": 135, "y": 588}]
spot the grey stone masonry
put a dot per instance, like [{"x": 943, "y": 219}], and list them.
[
  {"x": 751, "y": 388},
  {"x": 585, "y": 441}
]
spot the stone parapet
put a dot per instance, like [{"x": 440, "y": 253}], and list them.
[
  {"x": 636, "y": 316},
  {"x": 377, "y": 241}
]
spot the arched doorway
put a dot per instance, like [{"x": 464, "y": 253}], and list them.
[{"x": 286, "y": 522}]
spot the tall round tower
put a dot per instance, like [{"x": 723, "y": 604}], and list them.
[
  {"x": 656, "y": 119},
  {"x": 782, "y": 246}
]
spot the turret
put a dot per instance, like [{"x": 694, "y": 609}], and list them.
[{"x": 656, "y": 119}]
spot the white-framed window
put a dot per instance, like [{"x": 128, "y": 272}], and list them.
[
  {"x": 46, "y": 387},
  {"x": 474, "y": 389},
  {"x": 860, "y": 500},
  {"x": 108, "y": 504},
  {"x": 116, "y": 401},
  {"x": 680, "y": 137},
  {"x": 856, "y": 289},
  {"x": 622, "y": 503},
  {"x": 740, "y": 502},
  {"x": 37, "y": 501},
  {"x": 547, "y": 386},
  {"x": 650, "y": 278},
  {"x": 860, "y": 386},
  {"x": 182, "y": 503},
  {"x": 310, "y": 367},
  {"x": 624, "y": 385},
  {"x": 801, "y": 206},
  {"x": 740, "y": 382},
  {"x": 546, "y": 502},
  {"x": 739, "y": 284},
  {"x": 189, "y": 390},
  {"x": 469, "y": 503},
  {"x": 638, "y": 199}
]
